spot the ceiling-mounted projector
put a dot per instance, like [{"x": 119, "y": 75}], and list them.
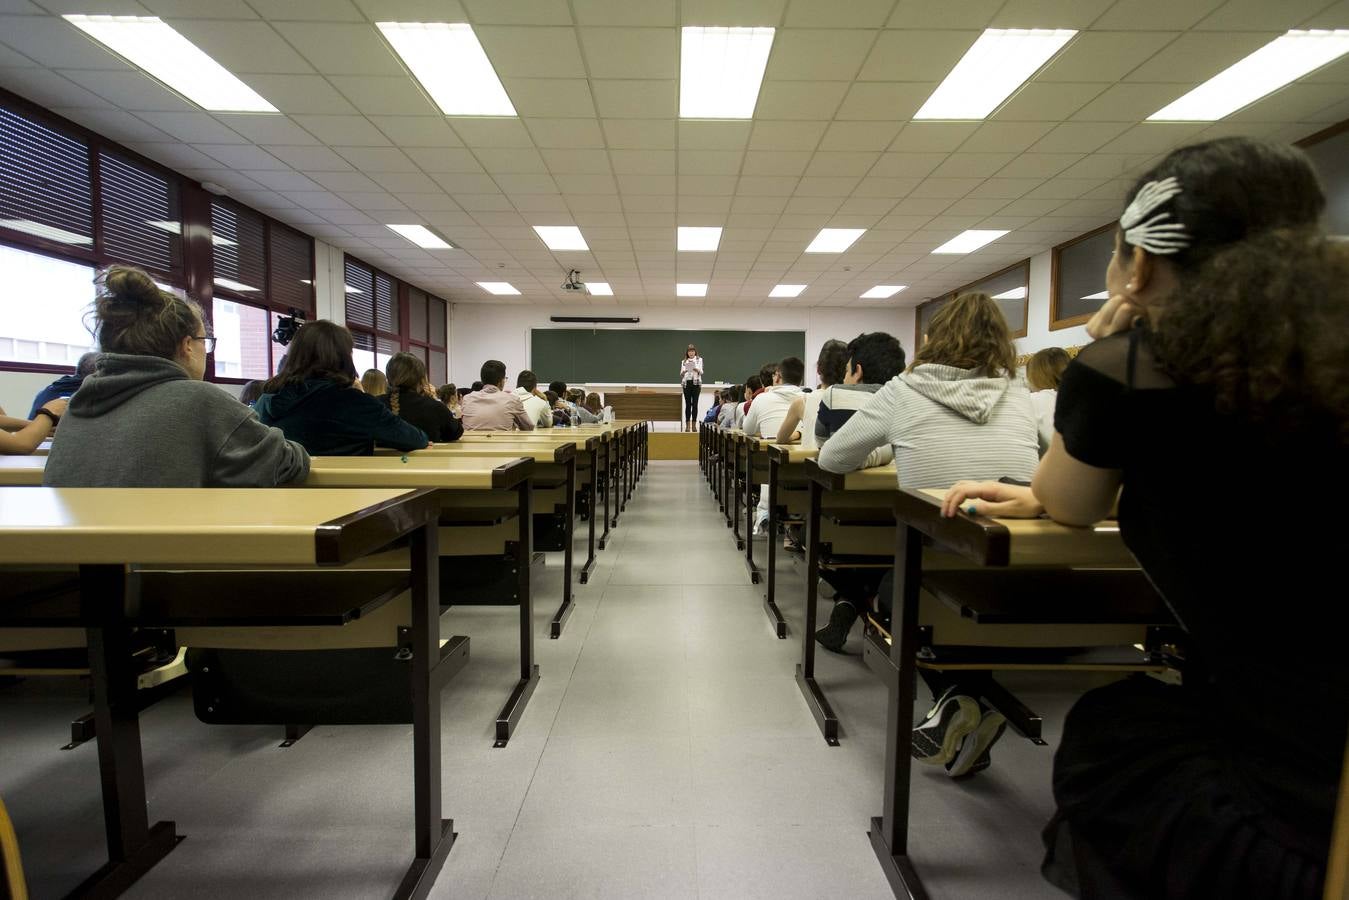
[{"x": 574, "y": 284}]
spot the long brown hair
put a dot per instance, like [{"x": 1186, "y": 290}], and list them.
[
  {"x": 406, "y": 373},
  {"x": 133, "y": 315},
  {"x": 1261, "y": 310},
  {"x": 1044, "y": 371},
  {"x": 374, "y": 383},
  {"x": 970, "y": 332},
  {"x": 593, "y": 403},
  {"x": 320, "y": 350}
]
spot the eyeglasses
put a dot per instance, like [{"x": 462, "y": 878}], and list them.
[{"x": 208, "y": 341}]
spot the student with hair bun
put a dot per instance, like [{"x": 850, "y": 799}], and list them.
[
  {"x": 412, "y": 398},
  {"x": 1219, "y": 370},
  {"x": 1044, "y": 371},
  {"x": 145, "y": 418},
  {"x": 315, "y": 403}
]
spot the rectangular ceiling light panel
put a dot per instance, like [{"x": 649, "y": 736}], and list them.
[
  {"x": 883, "y": 291},
  {"x": 422, "y": 236},
  {"x": 500, "y": 288},
  {"x": 720, "y": 71},
  {"x": 451, "y": 65},
  {"x": 599, "y": 289},
  {"x": 998, "y": 63},
  {"x": 969, "y": 241},
  {"x": 561, "y": 237},
  {"x": 787, "y": 290},
  {"x": 684, "y": 289},
  {"x": 834, "y": 240},
  {"x": 1274, "y": 65},
  {"x": 694, "y": 239},
  {"x": 155, "y": 48}
]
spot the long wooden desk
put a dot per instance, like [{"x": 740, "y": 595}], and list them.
[
  {"x": 470, "y": 491},
  {"x": 786, "y": 466},
  {"x": 113, "y": 535}
]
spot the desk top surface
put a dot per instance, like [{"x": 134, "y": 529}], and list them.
[
  {"x": 539, "y": 451},
  {"x": 22, "y": 470},
  {"x": 259, "y": 526},
  {"x": 789, "y": 454},
  {"x": 463, "y": 472}
]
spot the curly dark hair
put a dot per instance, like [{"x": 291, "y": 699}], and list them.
[{"x": 1261, "y": 311}]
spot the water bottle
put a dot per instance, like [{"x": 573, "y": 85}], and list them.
[{"x": 574, "y": 417}]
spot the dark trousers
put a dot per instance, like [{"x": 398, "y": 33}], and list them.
[{"x": 691, "y": 391}]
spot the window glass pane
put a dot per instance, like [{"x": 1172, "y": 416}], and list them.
[
  {"x": 384, "y": 348},
  {"x": 141, "y": 223},
  {"x": 1008, "y": 289},
  {"x": 437, "y": 327},
  {"x": 278, "y": 351},
  {"x": 416, "y": 315},
  {"x": 238, "y": 250},
  {"x": 438, "y": 373},
  {"x": 1079, "y": 275},
  {"x": 360, "y": 289},
  {"x": 925, "y": 314},
  {"x": 364, "y": 354},
  {"x": 45, "y": 187},
  {"x": 419, "y": 352},
  {"x": 51, "y": 332},
  {"x": 241, "y": 340},
  {"x": 291, "y": 257},
  {"x": 386, "y": 304}
]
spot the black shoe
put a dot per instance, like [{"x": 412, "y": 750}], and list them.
[
  {"x": 973, "y": 755},
  {"x": 937, "y": 738},
  {"x": 834, "y": 635}
]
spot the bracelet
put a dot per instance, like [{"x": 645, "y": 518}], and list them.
[{"x": 56, "y": 420}]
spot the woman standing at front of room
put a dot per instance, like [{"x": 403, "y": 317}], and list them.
[{"x": 691, "y": 376}]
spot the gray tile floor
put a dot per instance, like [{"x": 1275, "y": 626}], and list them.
[{"x": 666, "y": 753}]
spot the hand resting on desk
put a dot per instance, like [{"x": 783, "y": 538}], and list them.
[{"x": 991, "y": 498}]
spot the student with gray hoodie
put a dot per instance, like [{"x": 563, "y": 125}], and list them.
[
  {"x": 145, "y": 418},
  {"x": 958, "y": 410}
]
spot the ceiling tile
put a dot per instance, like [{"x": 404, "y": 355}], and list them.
[
  {"x": 882, "y": 100},
  {"x": 514, "y": 160},
  {"x": 1128, "y": 102},
  {"x": 1005, "y": 137},
  {"x": 1257, "y": 15},
  {"x": 518, "y": 12},
  {"x": 308, "y": 10},
  {"x": 625, "y": 12},
  {"x": 890, "y": 188},
  {"x": 243, "y": 47},
  {"x": 907, "y": 165},
  {"x": 830, "y": 14},
  {"x": 931, "y": 137},
  {"x": 1047, "y": 102},
  {"x": 1039, "y": 165},
  {"x": 799, "y": 99},
  {"x": 566, "y": 132},
  {"x": 768, "y": 135},
  {"x": 200, "y": 9},
  {"x": 833, "y": 54},
  {"x": 636, "y": 99},
  {"x": 356, "y": 131},
  {"x": 1297, "y": 102},
  {"x": 710, "y": 162},
  {"x": 1104, "y": 56},
  {"x": 47, "y": 88},
  {"x": 630, "y": 52},
  {"x": 916, "y": 55},
  {"x": 377, "y": 159},
  {"x": 1048, "y": 13},
  {"x": 345, "y": 182},
  {"x": 972, "y": 165},
  {"x": 306, "y": 94},
  {"x": 1104, "y": 165},
  {"x": 647, "y": 184},
  {"x": 266, "y": 129},
  {"x": 399, "y": 96},
  {"x": 467, "y": 184},
  {"x": 532, "y": 52},
  {"x": 310, "y": 159},
  {"x": 242, "y": 156},
  {"x": 443, "y": 161},
  {"x": 338, "y": 49},
  {"x": 489, "y": 133},
  {"x": 404, "y": 182},
  {"x": 1198, "y": 56},
  {"x": 714, "y": 135},
  {"x": 179, "y": 156},
  {"x": 635, "y": 162},
  {"x": 832, "y": 187},
  {"x": 417, "y": 131},
  {"x": 130, "y": 90},
  {"x": 1155, "y": 14},
  {"x": 926, "y": 14},
  {"x": 52, "y": 42},
  {"x": 192, "y": 127},
  {"x": 640, "y": 134},
  {"x": 526, "y": 183},
  {"x": 576, "y": 162},
  {"x": 1079, "y": 137},
  {"x": 767, "y": 185},
  {"x": 1155, "y": 137},
  {"x": 950, "y": 188},
  {"x": 284, "y": 180},
  {"x": 377, "y": 202},
  {"x": 837, "y": 163},
  {"x": 569, "y": 97},
  {"x": 859, "y": 135}
]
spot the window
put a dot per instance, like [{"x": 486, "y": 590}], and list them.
[
  {"x": 1077, "y": 279},
  {"x": 50, "y": 333},
  {"x": 426, "y": 332},
  {"x": 242, "y": 345},
  {"x": 373, "y": 315},
  {"x": 141, "y": 221},
  {"x": 46, "y": 192},
  {"x": 926, "y": 311}
]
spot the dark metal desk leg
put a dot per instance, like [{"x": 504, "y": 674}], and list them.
[
  {"x": 805, "y": 671},
  {"x": 618, "y": 477},
  {"x": 750, "y": 509},
  {"x": 890, "y": 832},
  {"x": 594, "y": 477},
  {"x": 608, "y": 492},
  {"x": 133, "y": 845},
  {"x": 510, "y": 714},
  {"x": 433, "y": 835},
  {"x": 563, "y": 611},
  {"x": 770, "y": 595},
  {"x": 735, "y": 498}
]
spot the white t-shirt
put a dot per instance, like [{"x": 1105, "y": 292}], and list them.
[
  {"x": 536, "y": 408},
  {"x": 769, "y": 409},
  {"x": 808, "y": 416},
  {"x": 1043, "y": 401}
]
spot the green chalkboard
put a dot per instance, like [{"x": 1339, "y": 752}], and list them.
[{"x": 650, "y": 356}]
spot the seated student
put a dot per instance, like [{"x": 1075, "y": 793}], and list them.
[
  {"x": 374, "y": 383},
  {"x": 492, "y": 408},
  {"x": 594, "y": 405},
  {"x": 754, "y": 386},
  {"x": 537, "y": 407},
  {"x": 1220, "y": 364},
  {"x": 765, "y": 417},
  {"x": 449, "y": 395},
  {"x": 145, "y": 418},
  {"x": 476, "y": 386},
  {"x": 315, "y": 403},
  {"x": 66, "y": 384},
  {"x": 22, "y": 436},
  {"x": 732, "y": 398},
  {"x": 410, "y": 398},
  {"x": 559, "y": 388},
  {"x": 715, "y": 408},
  {"x": 799, "y": 423},
  {"x": 250, "y": 392},
  {"x": 557, "y": 407},
  {"x": 958, "y": 410},
  {"x": 1044, "y": 371}
]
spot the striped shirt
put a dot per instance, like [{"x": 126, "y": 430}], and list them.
[{"x": 944, "y": 425}]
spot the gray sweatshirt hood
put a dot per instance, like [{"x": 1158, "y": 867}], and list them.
[
  {"x": 119, "y": 378},
  {"x": 964, "y": 391}
]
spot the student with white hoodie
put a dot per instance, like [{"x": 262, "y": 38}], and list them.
[{"x": 959, "y": 409}]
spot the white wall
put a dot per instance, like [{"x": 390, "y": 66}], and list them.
[{"x": 1038, "y": 336}]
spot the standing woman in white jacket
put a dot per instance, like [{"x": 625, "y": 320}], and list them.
[{"x": 691, "y": 377}]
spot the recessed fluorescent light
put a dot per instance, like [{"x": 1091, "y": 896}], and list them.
[
  {"x": 834, "y": 240},
  {"x": 697, "y": 239},
  {"x": 1099, "y": 295},
  {"x": 787, "y": 290},
  {"x": 995, "y": 66},
  {"x": 151, "y": 45},
  {"x": 500, "y": 288},
  {"x": 883, "y": 291},
  {"x": 51, "y": 233},
  {"x": 969, "y": 241},
  {"x": 720, "y": 71},
  {"x": 421, "y": 236},
  {"x": 561, "y": 237},
  {"x": 1282, "y": 60},
  {"x": 235, "y": 286},
  {"x": 1013, "y": 294},
  {"x": 450, "y": 63},
  {"x": 690, "y": 290},
  {"x": 599, "y": 289}
]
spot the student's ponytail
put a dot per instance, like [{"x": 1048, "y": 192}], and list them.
[{"x": 405, "y": 373}]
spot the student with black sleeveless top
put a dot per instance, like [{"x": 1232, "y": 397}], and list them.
[{"x": 1216, "y": 406}]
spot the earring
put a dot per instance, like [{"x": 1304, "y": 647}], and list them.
[{"x": 1129, "y": 286}]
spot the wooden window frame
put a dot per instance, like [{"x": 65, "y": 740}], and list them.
[{"x": 1055, "y": 322}]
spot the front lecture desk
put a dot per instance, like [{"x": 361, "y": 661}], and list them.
[{"x": 110, "y": 560}]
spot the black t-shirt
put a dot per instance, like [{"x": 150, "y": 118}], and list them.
[
  {"x": 1229, "y": 520},
  {"x": 428, "y": 414}
]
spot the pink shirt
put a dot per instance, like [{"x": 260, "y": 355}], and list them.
[{"x": 492, "y": 409}]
